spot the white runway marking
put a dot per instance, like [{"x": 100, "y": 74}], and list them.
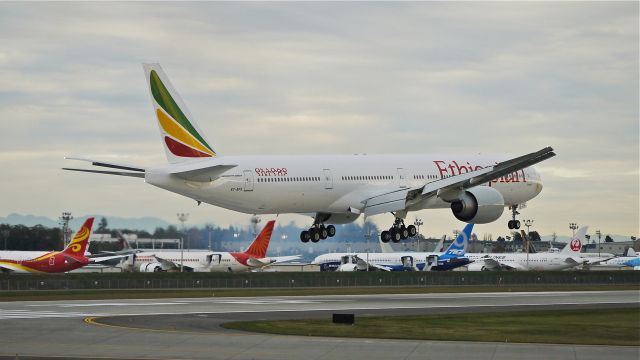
[{"x": 28, "y": 314}]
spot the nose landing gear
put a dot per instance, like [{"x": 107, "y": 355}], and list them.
[
  {"x": 513, "y": 223},
  {"x": 398, "y": 232}
]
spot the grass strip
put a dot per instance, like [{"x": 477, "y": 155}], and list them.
[
  {"x": 584, "y": 327},
  {"x": 106, "y": 294}
]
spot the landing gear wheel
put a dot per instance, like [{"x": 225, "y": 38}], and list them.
[
  {"x": 404, "y": 233},
  {"x": 510, "y": 224},
  {"x": 315, "y": 235},
  {"x": 516, "y": 224},
  {"x": 304, "y": 236},
  {"x": 385, "y": 236},
  {"x": 323, "y": 232},
  {"x": 331, "y": 230},
  {"x": 412, "y": 231},
  {"x": 395, "y": 235}
]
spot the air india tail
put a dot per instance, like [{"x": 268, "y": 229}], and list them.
[
  {"x": 258, "y": 248},
  {"x": 182, "y": 139}
]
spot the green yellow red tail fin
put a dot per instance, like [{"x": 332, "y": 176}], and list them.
[{"x": 181, "y": 138}]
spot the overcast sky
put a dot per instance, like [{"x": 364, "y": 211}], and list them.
[{"x": 335, "y": 78}]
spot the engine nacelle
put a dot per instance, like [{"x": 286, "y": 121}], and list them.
[
  {"x": 478, "y": 205},
  {"x": 151, "y": 267}
]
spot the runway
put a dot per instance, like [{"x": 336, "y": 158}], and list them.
[{"x": 189, "y": 328}]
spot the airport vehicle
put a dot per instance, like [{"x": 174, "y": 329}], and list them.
[
  {"x": 332, "y": 189},
  {"x": 452, "y": 258},
  {"x": 254, "y": 257},
  {"x": 71, "y": 258},
  {"x": 567, "y": 258}
]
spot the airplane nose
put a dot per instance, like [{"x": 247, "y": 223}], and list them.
[{"x": 537, "y": 180}]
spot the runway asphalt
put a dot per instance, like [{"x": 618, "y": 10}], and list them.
[{"x": 189, "y": 328}]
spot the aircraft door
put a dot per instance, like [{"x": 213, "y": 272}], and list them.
[
  {"x": 248, "y": 180},
  {"x": 328, "y": 179},
  {"x": 402, "y": 179}
]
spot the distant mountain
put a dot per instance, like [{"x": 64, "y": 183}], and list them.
[{"x": 146, "y": 223}]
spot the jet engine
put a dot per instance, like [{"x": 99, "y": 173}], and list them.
[
  {"x": 151, "y": 267},
  {"x": 478, "y": 205}
]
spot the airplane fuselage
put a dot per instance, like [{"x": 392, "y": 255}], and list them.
[
  {"x": 333, "y": 184},
  {"x": 520, "y": 261},
  {"x": 197, "y": 261}
]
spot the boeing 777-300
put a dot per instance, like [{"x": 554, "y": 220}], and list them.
[{"x": 333, "y": 189}]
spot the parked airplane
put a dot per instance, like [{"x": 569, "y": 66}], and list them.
[
  {"x": 400, "y": 261},
  {"x": 631, "y": 259},
  {"x": 568, "y": 257},
  {"x": 71, "y": 258},
  {"x": 333, "y": 189},
  {"x": 254, "y": 257}
]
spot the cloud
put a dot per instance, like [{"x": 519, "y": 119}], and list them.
[{"x": 328, "y": 78}]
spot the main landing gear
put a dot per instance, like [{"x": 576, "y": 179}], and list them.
[
  {"x": 513, "y": 223},
  {"x": 398, "y": 232},
  {"x": 317, "y": 232}
]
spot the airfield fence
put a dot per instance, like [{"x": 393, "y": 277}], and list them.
[{"x": 106, "y": 281}]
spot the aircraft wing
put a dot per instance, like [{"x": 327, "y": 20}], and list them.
[
  {"x": 363, "y": 264},
  {"x": 10, "y": 267},
  {"x": 491, "y": 263},
  {"x": 281, "y": 259},
  {"x": 71, "y": 259},
  {"x": 574, "y": 262},
  {"x": 167, "y": 264},
  {"x": 99, "y": 259},
  {"x": 451, "y": 187}
]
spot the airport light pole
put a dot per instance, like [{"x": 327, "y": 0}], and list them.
[
  {"x": 573, "y": 226},
  {"x": 284, "y": 238},
  {"x": 182, "y": 217},
  {"x": 64, "y": 222},
  {"x": 5, "y": 235},
  {"x": 209, "y": 230},
  {"x": 417, "y": 222},
  {"x": 599, "y": 235}
]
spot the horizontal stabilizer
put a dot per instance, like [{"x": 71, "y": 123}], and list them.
[
  {"x": 71, "y": 259},
  {"x": 120, "y": 173},
  {"x": 253, "y": 262},
  {"x": 133, "y": 171},
  {"x": 202, "y": 174}
]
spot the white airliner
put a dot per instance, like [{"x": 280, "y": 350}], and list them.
[
  {"x": 254, "y": 257},
  {"x": 388, "y": 260},
  {"x": 332, "y": 189},
  {"x": 567, "y": 258}
]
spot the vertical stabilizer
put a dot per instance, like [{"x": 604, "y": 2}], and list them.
[
  {"x": 181, "y": 137},
  {"x": 574, "y": 246},
  {"x": 78, "y": 246},
  {"x": 458, "y": 246},
  {"x": 258, "y": 248}
]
